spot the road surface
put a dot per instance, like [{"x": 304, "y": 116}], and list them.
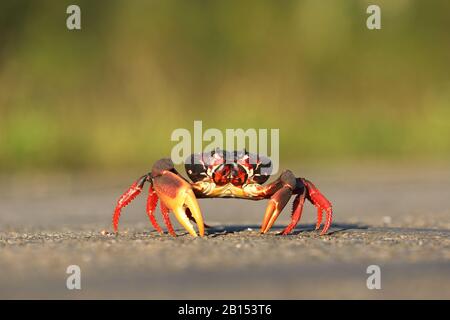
[{"x": 397, "y": 218}]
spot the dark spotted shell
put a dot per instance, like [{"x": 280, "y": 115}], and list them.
[{"x": 236, "y": 167}]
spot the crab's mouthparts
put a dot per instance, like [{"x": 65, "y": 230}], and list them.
[{"x": 228, "y": 189}]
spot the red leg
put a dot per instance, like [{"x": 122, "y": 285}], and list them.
[
  {"x": 319, "y": 218},
  {"x": 151, "y": 206},
  {"x": 321, "y": 203},
  {"x": 165, "y": 213},
  {"x": 126, "y": 198},
  {"x": 296, "y": 213}
]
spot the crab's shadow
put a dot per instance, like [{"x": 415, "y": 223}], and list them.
[{"x": 230, "y": 229}]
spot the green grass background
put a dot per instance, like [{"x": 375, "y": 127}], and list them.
[{"x": 108, "y": 97}]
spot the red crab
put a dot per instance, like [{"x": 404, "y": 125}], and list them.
[{"x": 222, "y": 174}]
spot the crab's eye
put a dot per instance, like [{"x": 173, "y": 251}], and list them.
[
  {"x": 238, "y": 176},
  {"x": 221, "y": 175}
]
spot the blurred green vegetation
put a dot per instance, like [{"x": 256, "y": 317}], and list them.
[{"x": 109, "y": 96}]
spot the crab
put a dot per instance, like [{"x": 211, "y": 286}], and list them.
[{"x": 222, "y": 174}]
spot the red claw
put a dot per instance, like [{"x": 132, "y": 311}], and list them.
[{"x": 176, "y": 195}]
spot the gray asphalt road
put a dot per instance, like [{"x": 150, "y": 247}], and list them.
[{"x": 396, "y": 218}]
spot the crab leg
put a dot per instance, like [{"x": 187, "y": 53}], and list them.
[
  {"x": 296, "y": 213},
  {"x": 165, "y": 213},
  {"x": 319, "y": 218},
  {"x": 321, "y": 203},
  {"x": 152, "y": 201},
  {"x": 126, "y": 198}
]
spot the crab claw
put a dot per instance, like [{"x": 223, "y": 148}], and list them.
[
  {"x": 176, "y": 194},
  {"x": 278, "y": 200},
  {"x": 276, "y": 204}
]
